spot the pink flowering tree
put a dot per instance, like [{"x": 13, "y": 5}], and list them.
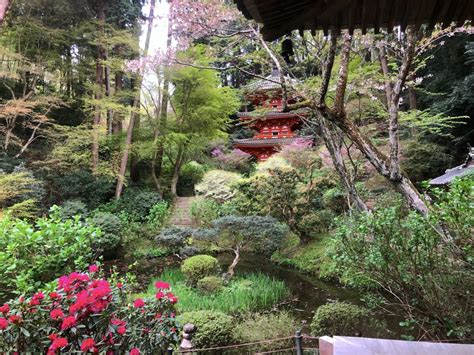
[{"x": 88, "y": 313}]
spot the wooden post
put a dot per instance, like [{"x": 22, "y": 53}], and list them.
[
  {"x": 169, "y": 351},
  {"x": 186, "y": 345},
  {"x": 298, "y": 343}
]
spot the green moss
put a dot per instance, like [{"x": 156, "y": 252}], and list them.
[{"x": 309, "y": 258}]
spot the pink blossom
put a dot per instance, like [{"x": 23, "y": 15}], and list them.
[
  {"x": 135, "y": 351},
  {"x": 5, "y": 308},
  {"x": 161, "y": 285},
  {"x": 93, "y": 268},
  {"x": 68, "y": 322},
  {"x": 138, "y": 303},
  {"x": 3, "y": 324}
]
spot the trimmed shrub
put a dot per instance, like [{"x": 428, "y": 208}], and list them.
[
  {"x": 199, "y": 266},
  {"x": 257, "y": 327},
  {"x": 217, "y": 185},
  {"x": 213, "y": 328},
  {"x": 111, "y": 228},
  {"x": 339, "y": 318},
  {"x": 71, "y": 208},
  {"x": 174, "y": 238},
  {"x": 210, "y": 284}
]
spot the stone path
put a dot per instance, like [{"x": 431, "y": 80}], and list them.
[{"x": 181, "y": 215}]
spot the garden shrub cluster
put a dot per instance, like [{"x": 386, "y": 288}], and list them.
[
  {"x": 391, "y": 248},
  {"x": 197, "y": 267},
  {"x": 214, "y": 328},
  {"x": 32, "y": 254},
  {"x": 217, "y": 185},
  {"x": 87, "y": 313},
  {"x": 340, "y": 318}
]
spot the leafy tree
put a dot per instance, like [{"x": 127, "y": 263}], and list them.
[{"x": 249, "y": 233}]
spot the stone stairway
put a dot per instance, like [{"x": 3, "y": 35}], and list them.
[{"x": 181, "y": 215}]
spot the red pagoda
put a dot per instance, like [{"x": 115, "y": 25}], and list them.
[{"x": 274, "y": 128}]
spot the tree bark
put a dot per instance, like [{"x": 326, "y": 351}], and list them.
[
  {"x": 118, "y": 116},
  {"x": 136, "y": 101},
  {"x": 377, "y": 159},
  {"x": 231, "y": 268},
  {"x": 343, "y": 73},
  {"x": 336, "y": 155},
  {"x": 99, "y": 74},
  {"x": 177, "y": 169},
  {"x": 110, "y": 112},
  {"x": 158, "y": 164}
]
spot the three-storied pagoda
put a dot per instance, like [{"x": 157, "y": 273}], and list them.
[{"x": 274, "y": 128}]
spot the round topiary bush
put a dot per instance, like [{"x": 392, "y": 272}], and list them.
[
  {"x": 199, "y": 266},
  {"x": 210, "y": 284},
  {"x": 340, "y": 318},
  {"x": 213, "y": 328},
  {"x": 111, "y": 226}
]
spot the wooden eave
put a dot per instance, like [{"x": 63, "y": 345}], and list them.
[{"x": 280, "y": 17}]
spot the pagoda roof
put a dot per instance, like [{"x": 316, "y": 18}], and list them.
[
  {"x": 267, "y": 115},
  {"x": 271, "y": 82},
  {"x": 269, "y": 142},
  {"x": 280, "y": 17}
]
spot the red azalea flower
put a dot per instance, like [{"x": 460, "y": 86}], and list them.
[
  {"x": 135, "y": 351},
  {"x": 21, "y": 299},
  {"x": 68, "y": 322},
  {"x": 58, "y": 343},
  {"x": 5, "y": 309},
  {"x": 38, "y": 296},
  {"x": 138, "y": 303},
  {"x": 171, "y": 297},
  {"x": 117, "y": 322},
  {"x": 54, "y": 295},
  {"x": 88, "y": 344},
  {"x": 119, "y": 285},
  {"x": 56, "y": 313},
  {"x": 159, "y": 295},
  {"x": 93, "y": 268},
  {"x": 34, "y": 302},
  {"x": 121, "y": 330},
  {"x": 3, "y": 323},
  {"x": 15, "y": 319},
  {"x": 52, "y": 336},
  {"x": 161, "y": 285}
]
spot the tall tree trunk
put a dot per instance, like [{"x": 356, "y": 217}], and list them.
[
  {"x": 387, "y": 167},
  {"x": 99, "y": 75},
  {"x": 136, "y": 102},
  {"x": 118, "y": 116},
  {"x": 164, "y": 106},
  {"x": 336, "y": 155},
  {"x": 177, "y": 169},
  {"x": 110, "y": 112}
]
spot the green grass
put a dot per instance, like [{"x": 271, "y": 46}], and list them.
[
  {"x": 309, "y": 258},
  {"x": 252, "y": 292}
]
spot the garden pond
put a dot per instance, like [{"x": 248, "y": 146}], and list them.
[{"x": 307, "y": 292}]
